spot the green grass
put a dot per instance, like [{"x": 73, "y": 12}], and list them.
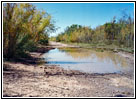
[{"x": 102, "y": 46}]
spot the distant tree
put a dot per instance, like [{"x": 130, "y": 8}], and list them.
[{"x": 118, "y": 31}]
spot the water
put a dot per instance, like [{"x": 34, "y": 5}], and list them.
[{"x": 85, "y": 60}]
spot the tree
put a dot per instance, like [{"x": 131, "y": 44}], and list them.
[
  {"x": 111, "y": 30},
  {"x": 22, "y": 23}
]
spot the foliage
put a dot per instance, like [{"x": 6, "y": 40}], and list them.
[
  {"x": 43, "y": 41},
  {"x": 52, "y": 38},
  {"x": 23, "y": 27},
  {"x": 119, "y": 32},
  {"x": 76, "y": 33}
]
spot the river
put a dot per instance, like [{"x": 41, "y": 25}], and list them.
[{"x": 87, "y": 60}]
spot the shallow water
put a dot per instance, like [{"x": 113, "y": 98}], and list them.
[{"x": 85, "y": 60}]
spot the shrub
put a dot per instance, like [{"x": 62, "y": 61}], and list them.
[{"x": 43, "y": 41}]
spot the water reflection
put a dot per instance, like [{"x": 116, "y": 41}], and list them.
[
  {"x": 87, "y": 60},
  {"x": 101, "y": 56},
  {"x": 66, "y": 62}
]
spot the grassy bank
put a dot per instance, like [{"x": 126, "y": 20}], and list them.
[{"x": 103, "y": 46}]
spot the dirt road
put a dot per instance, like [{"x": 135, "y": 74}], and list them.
[{"x": 58, "y": 44}]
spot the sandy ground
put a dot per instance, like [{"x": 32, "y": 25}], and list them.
[
  {"x": 33, "y": 80},
  {"x": 58, "y": 44}
]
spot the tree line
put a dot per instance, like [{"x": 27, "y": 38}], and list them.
[
  {"x": 118, "y": 31},
  {"x": 23, "y": 27}
]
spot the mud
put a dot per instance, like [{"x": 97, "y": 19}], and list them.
[
  {"x": 21, "y": 80},
  {"x": 33, "y": 80}
]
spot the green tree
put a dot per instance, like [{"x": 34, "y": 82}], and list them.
[{"x": 22, "y": 23}]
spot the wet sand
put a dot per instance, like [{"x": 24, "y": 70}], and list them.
[{"x": 33, "y": 80}]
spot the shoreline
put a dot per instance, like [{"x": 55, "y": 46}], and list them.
[
  {"x": 21, "y": 81},
  {"x": 113, "y": 48},
  {"x": 32, "y": 80}
]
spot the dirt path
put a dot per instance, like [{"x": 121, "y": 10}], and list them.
[
  {"x": 58, "y": 44},
  {"x": 34, "y": 80}
]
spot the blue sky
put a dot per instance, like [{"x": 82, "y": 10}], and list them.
[{"x": 86, "y": 14}]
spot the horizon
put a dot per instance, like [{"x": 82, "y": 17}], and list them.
[{"x": 85, "y": 14}]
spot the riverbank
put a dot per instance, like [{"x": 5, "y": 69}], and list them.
[
  {"x": 40, "y": 80},
  {"x": 21, "y": 80},
  {"x": 102, "y": 47}
]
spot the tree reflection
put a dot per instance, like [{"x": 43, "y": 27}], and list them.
[{"x": 80, "y": 53}]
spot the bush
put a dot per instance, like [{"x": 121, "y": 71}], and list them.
[
  {"x": 43, "y": 41},
  {"x": 21, "y": 50},
  {"x": 30, "y": 46},
  {"x": 21, "y": 54}
]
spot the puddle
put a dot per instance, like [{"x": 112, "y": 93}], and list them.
[{"x": 85, "y": 60}]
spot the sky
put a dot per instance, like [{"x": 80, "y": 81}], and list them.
[{"x": 86, "y": 14}]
